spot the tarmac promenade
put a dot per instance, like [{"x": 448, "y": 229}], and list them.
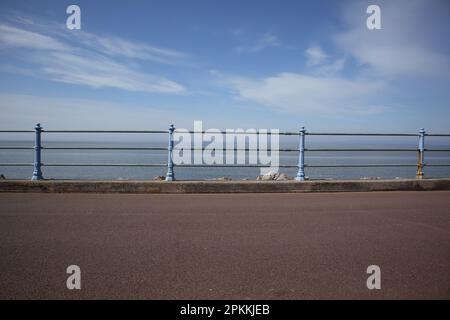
[{"x": 225, "y": 246}]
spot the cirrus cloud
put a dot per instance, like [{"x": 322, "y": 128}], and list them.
[{"x": 89, "y": 60}]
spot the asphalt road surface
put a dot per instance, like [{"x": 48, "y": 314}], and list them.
[{"x": 225, "y": 246}]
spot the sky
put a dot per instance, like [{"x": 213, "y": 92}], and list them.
[{"x": 142, "y": 65}]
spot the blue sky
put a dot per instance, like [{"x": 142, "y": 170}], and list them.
[{"x": 249, "y": 64}]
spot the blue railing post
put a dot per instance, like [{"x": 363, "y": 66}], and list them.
[
  {"x": 301, "y": 156},
  {"x": 37, "y": 173},
  {"x": 170, "y": 174},
  {"x": 421, "y": 154}
]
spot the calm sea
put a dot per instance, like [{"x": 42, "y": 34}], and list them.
[{"x": 291, "y": 158}]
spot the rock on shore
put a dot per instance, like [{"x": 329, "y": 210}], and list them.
[{"x": 275, "y": 176}]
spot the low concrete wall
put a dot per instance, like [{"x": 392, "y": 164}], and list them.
[{"x": 79, "y": 186}]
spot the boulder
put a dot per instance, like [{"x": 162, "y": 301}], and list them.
[
  {"x": 283, "y": 177},
  {"x": 273, "y": 176}
]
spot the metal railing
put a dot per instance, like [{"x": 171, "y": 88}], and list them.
[{"x": 170, "y": 176}]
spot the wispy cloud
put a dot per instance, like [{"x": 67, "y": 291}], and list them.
[
  {"x": 90, "y": 60},
  {"x": 315, "y": 56},
  {"x": 267, "y": 40},
  {"x": 15, "y": 37},
  {"x": 96, "y": 71},
  {"x": 320, "y": 62},
  {"x": 319, "y": 90},
  {"x": 301, "y": 93},
  {"x": 330, "y": 69},
  {"x": 118, "y": 47}
]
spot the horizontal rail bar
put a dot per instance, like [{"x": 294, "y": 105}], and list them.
[
  {"x": 360, "y": 165},
  {"x": 105, "y": 148},
  {"x": 438, "y": 135},
  {"x": 203, "y": 149},
  {"x": 362, "y": 134},
  {"x": 152, "y": 165},
  {"x": 104, "y": 131},
  {"x": 224, "y": 132},
  {"x": 16, "y": 131},
  {"x": 102, "y": 165},
  {"x": 357, "y": 149},
  {"x": 212, "y": 165},
  {"x": 437, "y": 150},
  {"x": 233, "y": 165}
]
